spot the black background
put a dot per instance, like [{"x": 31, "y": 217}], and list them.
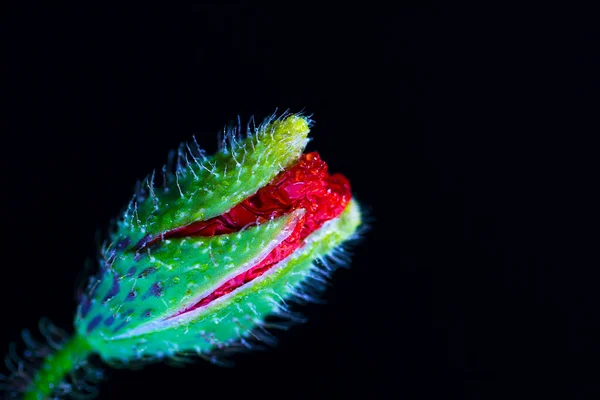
[{"x": 465, "y": 133}]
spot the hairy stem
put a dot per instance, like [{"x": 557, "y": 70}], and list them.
[{"x": 56, "y": 366}]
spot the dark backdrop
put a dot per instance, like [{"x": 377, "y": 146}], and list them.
[{"x": 463, "y": 132}]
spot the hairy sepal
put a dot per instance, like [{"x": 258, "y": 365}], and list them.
[
  {"x": 202, "y": 187},
  {"x": 166, "y": 280},
  {"x": 240, "y": 317}
]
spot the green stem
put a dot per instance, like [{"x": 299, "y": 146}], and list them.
[{"x": 56, "y": 366}]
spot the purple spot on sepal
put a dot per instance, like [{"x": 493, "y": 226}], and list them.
[
  {"x": 109, "y": 321},
  {"x": 114, "y": 290},
  {"x": 156, "y": 289},
  {"x": 147, "y": 313},
  {"x": 85, "y": 306},
  {"x": 131, "y": 272},
  {"x": 130, "y": 296},
  {"x": 143, "y": 241},
  {"x": 94, "y": 323},
  {"x": 147, "y": 272},
  {"x": 111, "y": 257},
  {"x": 93, "y": 286},
  {"x": 123, "y": 243}
]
